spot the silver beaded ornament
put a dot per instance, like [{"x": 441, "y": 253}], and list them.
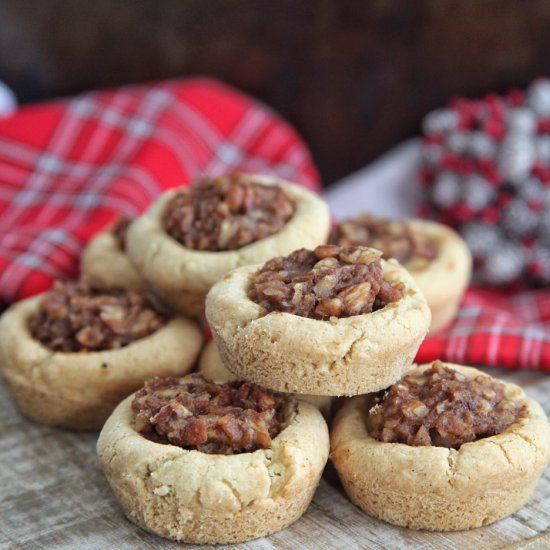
[
  {"x": 458, "y": 142},
  {"x": 518, "y": 219},
  {"x": 503, "y": 265},
  {"x": 432, "y": 153},
  {"x": 516, "y": 158},
  {"x": 497, "y": 177},
  {"x": 531, "y": 189},
  {"x": 440, "y": 121},
  {"x": 543, "y": 227},
  {"x": 538, "y": 97},
  {"x": 481, "y": 145},
  {"x": 446, "y": 189},
  {"x": 521, "y": 120},
  {"x": 481, "y": 238},
  {"x": 476, "y": 192},
  {"x": 542, "y": 148}
]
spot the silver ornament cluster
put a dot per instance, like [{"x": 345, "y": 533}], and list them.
[
  {"x": 538, "y": 97},
  {"x": 440, "y": 121},
  {"x": 516, "y": 158},
  {"x": 503, "y": 265},
  {"x": 476, "y": 192},
  {"x": 518, "y": 219},
  {"x": 446, "y": 189},
  {"x": 481, "y": 238},
  {"x": 481, "y": 145},
  {"x": 488, "y": 166}
]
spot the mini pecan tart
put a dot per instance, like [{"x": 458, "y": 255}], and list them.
[
  {"x": 212, "y": 368},
  {"x": 72, "y": 354},
  {"x": 195, "y": 461},
  {"x": 104, "y": 263},
  {"x": 191, "y": 237},
  {"x": 330, "y": 321},
  {"x": 446, "y": 448},
  {"x": 435, "y": 255}
]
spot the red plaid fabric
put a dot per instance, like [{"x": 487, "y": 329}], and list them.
[
  {"x": 68, "y": 167},
  {"x": 496, "y": 329}
]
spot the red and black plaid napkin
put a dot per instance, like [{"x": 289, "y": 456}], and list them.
[{"x": 68, "y": 167}]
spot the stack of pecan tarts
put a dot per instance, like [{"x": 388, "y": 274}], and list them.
[
  {"x": 213, "y": 459},
  {"x": 298, "y": 317},
  {"x": 437, "y": 447}
]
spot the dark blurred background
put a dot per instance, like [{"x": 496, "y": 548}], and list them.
[{"x": 355, "y": 77}]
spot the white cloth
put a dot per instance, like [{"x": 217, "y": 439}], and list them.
[
  {"x": 8, "y": 102},
  {"x": 388, "y": 187}
]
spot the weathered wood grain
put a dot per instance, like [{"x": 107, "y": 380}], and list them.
[{"x": 53, "y": 495}]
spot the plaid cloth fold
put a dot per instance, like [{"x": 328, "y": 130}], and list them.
[
  {"x": 67, "y": 167},
  {"x": 495, "y": 328}
]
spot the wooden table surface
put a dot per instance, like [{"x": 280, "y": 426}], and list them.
[{"x": 54, "y": 495}]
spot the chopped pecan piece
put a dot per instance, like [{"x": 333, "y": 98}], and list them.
[
  {"x": 330, "y": 281},
  {"x": 226, "y": 213},
  {"x": 74, "y": 317},
  {"x": 190, "y": 412},
  {"x": 441, "y": 407}
]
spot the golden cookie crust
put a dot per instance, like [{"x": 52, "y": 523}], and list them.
[
  {"x": 436, "y": 488},
  {"x": 445, "y": 279},
  {"x": 79, "y": 390},
  {"x": 285, "y": 352},
  {"x": 181, "y": 277},
  {"x": 212, "y": 368},
  {"x": 190, "y": 496},
  {"x": 104, "y": 265}
]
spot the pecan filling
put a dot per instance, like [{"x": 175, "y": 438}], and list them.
[
  {"x": 330, "y": 281},
  {"x": 230, "y": 418},
  {"x": 120, "y": 229},
  {"x": 441, "y": 407},
  {"x": 226, "y": 213},
  {"x": 395, "y": 239},
  {"x": 75, "y": 317}
]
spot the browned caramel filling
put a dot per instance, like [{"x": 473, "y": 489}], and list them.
[
  {"x": 395, "y": 239},
  {"x": 74, "y": 317},
  {"x": 330, "y": 281},
  {"x": 119, "y": 231},
  {"x": 441, "y": 407},
  {"x": 192, "y": 413},
  {"x": 226, "y": 213}
]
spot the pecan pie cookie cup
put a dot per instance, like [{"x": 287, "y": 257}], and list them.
[
  {"x": 328, "y": 355},
  {"x": 104, "y": 263},
  {"x": 434, "y": 254},
  {"x": 219, "y": 494},
  {"x": 461, "y": 485},
  {"x": 222, "y": 232},
  {"x": 79, "y": 389},
  {"x": 212, "y": 368}
]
